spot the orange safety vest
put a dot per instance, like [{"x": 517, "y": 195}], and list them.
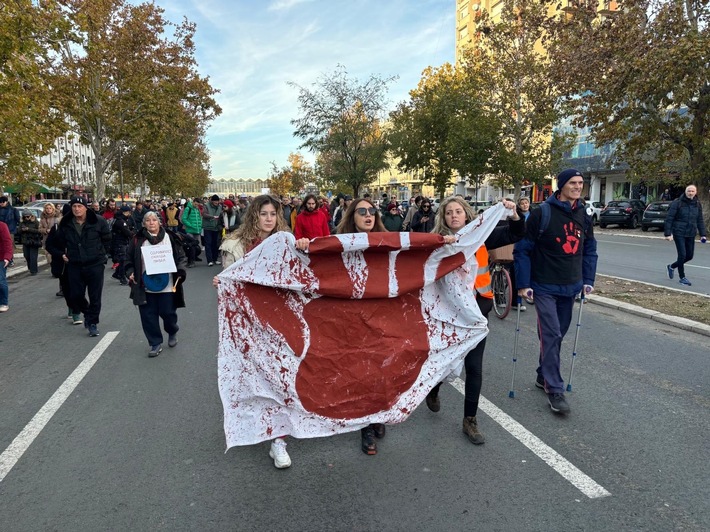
[{"x": 483, "y": 276}]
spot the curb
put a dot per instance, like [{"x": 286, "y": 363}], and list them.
[{"x": 675, "y": 321}]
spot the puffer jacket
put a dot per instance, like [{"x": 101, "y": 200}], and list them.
[
  {"x": 685, "y": 218},
  {"x": 30, "y": 234},
  {"x": 86, "y": 249}
]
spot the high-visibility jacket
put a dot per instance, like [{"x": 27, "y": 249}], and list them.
[{"x": 483, "y": 276}]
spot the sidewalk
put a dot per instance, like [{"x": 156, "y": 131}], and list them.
[{"x": 20, "y": 266}]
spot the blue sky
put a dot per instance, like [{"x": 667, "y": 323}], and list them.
[{"x": 250, "y": 49}]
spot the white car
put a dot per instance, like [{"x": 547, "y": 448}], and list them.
[{"x": 594, "y": 209}]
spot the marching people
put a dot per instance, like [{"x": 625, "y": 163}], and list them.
[
  {"x": 230, "y": 216},
  {"x": 454, "y": 213},
  {"x": 58, "y": 269},
  {"x": 212, "y": 229},
  {"x": 121, "y": 233},
  {"x": 7, "y": 248},
  {"x": 49, "y": 218},
  {"x": 312, "y": 221},
  {"x": 392, "y": 220},
  {"x": 31, "y": 240},
  {"x": 555, "y": 261},
  {"x": 171, "y": 216},
  {"x": 191, "y": 219},
  {"x": 157, "y": 296},
  {"x": 10, "y": 216},
  {"x": 423, "y": 219},
  {"x": 524, "y": 206},
  {"x": 83, "y": 240},
  {"x": 110, "y": 210},
  {"x": 264, "y": 217},
  {"x": 413, "y": 208},
  {"x": 683, "y": 221}
]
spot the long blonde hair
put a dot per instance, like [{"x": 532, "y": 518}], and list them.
[
  {"x": 249, "y": 230},
  {"x": 440, "y": 226}
]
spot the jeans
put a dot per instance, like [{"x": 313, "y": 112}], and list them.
[
  {"x": 4, "y": 291},
  {"x": 31, "y": 254},
  {"x": 685, "y": 247}
]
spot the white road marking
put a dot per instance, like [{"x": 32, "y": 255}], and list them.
[
  {"x": 623, "y": 243},
  {"x": 24, "y": 439},
  {"x": 551, "y": 457},
  {"x": 688, "y": 265}
]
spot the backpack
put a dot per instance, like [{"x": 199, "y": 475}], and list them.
[{"x": 545, "y": 219}]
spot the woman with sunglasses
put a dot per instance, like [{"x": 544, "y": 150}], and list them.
[
  {"x": 31, "y": 238},
  {"x": 454, "y": 213},
  {"x": 423, "y": 219}
]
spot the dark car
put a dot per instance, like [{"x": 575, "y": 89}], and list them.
[
  {"x": 655, "y": 215},
  {"x": 626, "y": 212}
]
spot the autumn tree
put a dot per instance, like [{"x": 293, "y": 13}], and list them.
[
  {"x": 301, "y": 172},
  {"x": 638, "y": 78},
  {"x": 340, "y": 118},
  {"x": 279, "y": 180},
  {"x": 443, "y": 130},
  {"x": 511, "y": 70},
  {"x": 29, "y": 118},
  {"x": 121, "y": 69}
]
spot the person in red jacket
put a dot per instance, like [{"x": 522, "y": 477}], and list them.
[
  {"x": 6, "y": 252},
  {"x": 312, "y": 221}
]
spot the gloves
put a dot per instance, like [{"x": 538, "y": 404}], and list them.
[{"x": 703, "y": 239}]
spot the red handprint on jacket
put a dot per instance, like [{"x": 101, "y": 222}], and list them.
[{"x": 572, "y": 236}]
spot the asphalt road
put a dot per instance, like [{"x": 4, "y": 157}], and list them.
[
  {"x": 640, "y": 256},
  {"x": 138, "y": 443}
]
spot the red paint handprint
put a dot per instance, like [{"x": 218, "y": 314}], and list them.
[{"x": 571, "y": 244}]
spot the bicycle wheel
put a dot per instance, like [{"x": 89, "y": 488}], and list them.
[{"x": 502, "y": 292}]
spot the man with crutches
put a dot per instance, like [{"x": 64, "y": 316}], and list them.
[{"x": 555, "y": 261}]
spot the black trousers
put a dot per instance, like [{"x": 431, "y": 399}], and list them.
[
  {"x": 158, "y": 306},
  {"x": 83, "y": 279},
  {"x": 473, "y": 363},
  {"x": 31, "y": 253}
]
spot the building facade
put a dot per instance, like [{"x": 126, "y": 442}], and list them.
[{"x": 223, "y": 187}]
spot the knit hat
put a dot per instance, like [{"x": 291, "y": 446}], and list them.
[
  {"x": 214, "y": 197},
  {"x": 228, "y": 203},
  {"x": 78, "y": 200},
  {"x": 27, "y": 212},
  {"x": 391, "y": 206},
  {"x": 566, "y": 175},
  {"x": 125, "y": 208}
]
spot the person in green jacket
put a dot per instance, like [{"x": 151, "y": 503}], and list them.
[{"x": 392, "y": 219}]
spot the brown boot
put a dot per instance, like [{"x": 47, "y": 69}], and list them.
[
  {"x": 470, "y": 429},
  {"x": 433, "y": 403}
]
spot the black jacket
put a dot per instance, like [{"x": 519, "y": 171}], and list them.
[
  {"x": 86, "y": 249},
  {"x": 685, "y": 218}
]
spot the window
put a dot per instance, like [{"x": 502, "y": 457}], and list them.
[
  {"x": 463, "y": 32},
  {"x": 77, "y": 159},
  {"x": 88, "y": 161}
]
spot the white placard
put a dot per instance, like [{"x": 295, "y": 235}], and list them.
[{"x": 158, "y": 259}]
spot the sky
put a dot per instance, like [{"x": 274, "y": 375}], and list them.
[{"x": 250, "y": 49}]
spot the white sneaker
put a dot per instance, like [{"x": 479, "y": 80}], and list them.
[
  {"x": 5, "y": 308},
  {"x": 278, "y": 452},
  {"x": 218, "y": 262}
]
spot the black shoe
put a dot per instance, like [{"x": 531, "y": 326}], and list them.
[
  {"x": 59, "y": 294},
  {"x": 172, "y": 340},
  {"x": 190, "y": 264},
  {"x": 558, "y": 403},
  {"x": 93, "y": 330},
  {"x": 368, "y": 441},
  {"x": 155, "y": 350},
  {"x": 540, "y": 382},
  {"x": 433, "y": 403},
  {"x": 379, "y": 429},
  {"x": 123, "y": 282},
  {"x": 115, "y": 276}
]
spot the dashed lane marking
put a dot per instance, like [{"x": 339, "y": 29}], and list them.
[
  {"x": 24, "y": 439},
  {"x": 555, "y": 460}
]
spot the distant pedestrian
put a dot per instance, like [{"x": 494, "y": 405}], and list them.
[
  {"x": 7, "y": 248},
  {"x": 666, "y": 196},
  {"x": 423, "y": 219},
  {"x": 683, "y": 221},
  {"x": 392, "y": 219},
  {"x": 83, "y": 240},
  {"x": 31, "y": 240},
  {"x": 9, "y": 215},
  {"x": 212, "y": 229},
  {"x": 553, "y": 264},
  {"x": 312, "y": 222},
  {"x": 121, "y": 233}
]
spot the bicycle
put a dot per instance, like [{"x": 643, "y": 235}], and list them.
[{"x": 502, "y": 288}]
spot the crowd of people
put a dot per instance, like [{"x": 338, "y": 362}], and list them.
[{"x": 554, "y": 260}]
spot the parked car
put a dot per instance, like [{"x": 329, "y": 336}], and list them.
[
  {"x": 626, "y": 212},
  {"x": 655, "y": 215},
  {"x": 41, "y": 203},
  {"x": 594, "y": 209},
  {"x": 480, "y": 206}
]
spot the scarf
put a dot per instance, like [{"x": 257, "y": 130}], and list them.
[{"x": 154, "y": 239}]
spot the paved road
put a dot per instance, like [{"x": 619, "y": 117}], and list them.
[
  {"x": 643, "y": 257},
  {"x": 138, "y": 444}
]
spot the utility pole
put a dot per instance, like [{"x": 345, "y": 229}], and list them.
[{"x": 120, "y": 169}]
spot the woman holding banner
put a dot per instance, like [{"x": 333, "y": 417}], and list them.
[
  {"x": 155, "y": 266},
  {"x": 453, "y": 214}
]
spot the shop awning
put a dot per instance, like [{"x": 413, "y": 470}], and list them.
[{"x": 37, "y": 188}]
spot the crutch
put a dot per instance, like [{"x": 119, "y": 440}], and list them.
[
  {"x": 511, "y": 393},
  {"x": 576, "y": 337}
]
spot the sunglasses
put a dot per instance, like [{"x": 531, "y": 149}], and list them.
[
  {"x": 426, "y": 206},
  {"x": 363, "y": 211}
]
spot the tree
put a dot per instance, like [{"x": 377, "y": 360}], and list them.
[
  {"x": 120, "y": 76},
  {"x": 510, "y": 68},
  {"x": 341, "y": 118},
  {"x": 301, "y": 172},
  {"x": 279, "y": 180},
  {"x": 640, "y": 82},
  {"x": 29, "y": 119},
  {"x": 442, "y": 129}
]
